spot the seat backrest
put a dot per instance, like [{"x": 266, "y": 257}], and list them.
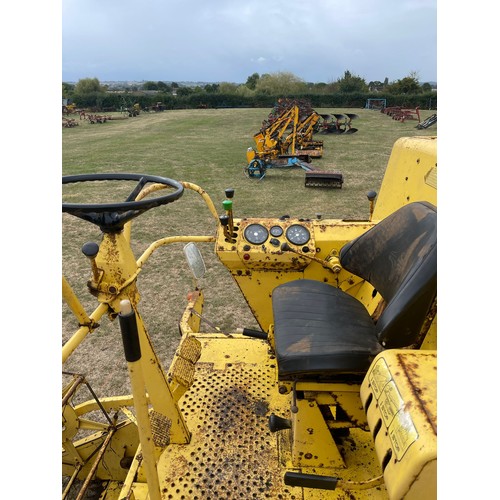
[{"x": 398, "y": 257}]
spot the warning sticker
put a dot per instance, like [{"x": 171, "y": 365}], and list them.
[
  {"x": 402, "y": 433},
  {"x": 390, "y": 402},
  {"x": 398, "y": 422},
  {"x": 379, "y": 377}
]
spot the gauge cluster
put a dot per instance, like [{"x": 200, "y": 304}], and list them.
[
  {"x": 275, "y": 233},
  {"x": 270, "y": 244}
]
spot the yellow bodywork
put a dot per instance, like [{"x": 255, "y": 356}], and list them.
[
  {"x": 399, "y": 395},
  {"x": 200, "y": 428},
  {"x": 411, "y": 175}
]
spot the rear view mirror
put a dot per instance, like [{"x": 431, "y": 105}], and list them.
[{"x": 195, "y": 260}]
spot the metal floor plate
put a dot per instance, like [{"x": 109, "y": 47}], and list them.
[{"x": 232, "y": 453}]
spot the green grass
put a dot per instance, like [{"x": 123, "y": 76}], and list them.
[{"x": 205, "y": 147}]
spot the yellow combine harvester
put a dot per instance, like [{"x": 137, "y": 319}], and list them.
[{"x": 334, "y": 396}]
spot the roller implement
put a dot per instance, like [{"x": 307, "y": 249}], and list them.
[
  {"x": 257, "y": 169},
  {"x": 331, "y": 396},
  {"x": 325, "y": 179}
]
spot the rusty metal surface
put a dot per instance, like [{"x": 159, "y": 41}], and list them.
[
  {"x": 232, "y": 453},
  {"x": 399, "y": 394},
  {"x": 421, "y": 372}
]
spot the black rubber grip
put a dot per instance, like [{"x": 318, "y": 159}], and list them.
[
  {"x": 254, "y": 333},
  {"x": 311, "y": 481},
  {"x": 130, "y": 337}
]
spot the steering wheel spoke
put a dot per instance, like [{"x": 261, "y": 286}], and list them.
[{"x": 133, "y": 195}]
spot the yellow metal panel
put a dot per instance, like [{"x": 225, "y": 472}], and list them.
[
  {"x": 399, "y": 394},
  {"x": 411, "y": 175},
  {"x": 309, "y": 429}
]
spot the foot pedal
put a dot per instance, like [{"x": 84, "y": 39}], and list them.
[
  {"x": 187, "y": 355},
  {"x": 190, "y": 349},
  {"x": 183, "y": 372},
  {"x": 278, "y": 423},
  {"x": 160, "y": 428}
]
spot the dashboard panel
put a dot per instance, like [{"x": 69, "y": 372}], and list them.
[
  {"x": 257, "y": 234},
  {"x": 259, "y": 242}
]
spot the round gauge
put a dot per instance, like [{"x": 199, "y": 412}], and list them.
[
  {"x": 298, "y": 235},
  {"x": 256, "y": 234},
  {"x": 276, "y": 231}
]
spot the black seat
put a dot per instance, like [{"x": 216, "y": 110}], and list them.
[{"x": 321, "y": 332}]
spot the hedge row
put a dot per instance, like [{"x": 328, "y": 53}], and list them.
[{"x": 99, "y": 101}]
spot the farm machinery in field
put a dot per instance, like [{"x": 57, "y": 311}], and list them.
[
  {"x": 287, "y": 141},
  {"x": 428, "y": 122},
  {"x": 337, "y": 123},
  {"x": 333, "y": 396},
  {"x": 401, "y": 113}
]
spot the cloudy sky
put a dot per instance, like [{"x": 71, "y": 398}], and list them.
[{"x": 229, "y": 40}]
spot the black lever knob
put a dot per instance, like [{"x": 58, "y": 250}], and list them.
[
  {"x": 285, "y": 247},
  {"x": 90, "y": 249},
  {"x": 278, "y": 423}
]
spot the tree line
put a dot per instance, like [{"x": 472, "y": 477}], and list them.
[{"x": 258, "y": 91}]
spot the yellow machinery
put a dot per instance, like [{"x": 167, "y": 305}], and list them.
[
  {"x": 304, "y": 132},
  {"x": 270, "y": 140},
  {"x": 290, "y": 134},
  {"x": 334, "y": 396},
  {"x": 288, "y": 142}
]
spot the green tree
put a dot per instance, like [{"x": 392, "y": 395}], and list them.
[
  {"x": 163, "y": 87},
  {"x": 227, "y": 88},
  {"x": 316, "y": 88},
  {"x": 88, "y": 86},
  {"x": 150, "y": 86},
  {"x": 351, "y": 83},
  {"x": 244, "y": 91},
  {"x": 407, "y": 85},
  {"x": 184, "y": 91},
  {"x": 211, "y": 88},
  {"x": 332, "y": 87},
  {"x": 68, "y": 90},
  {"x": 282, "y": 83},
  {"x": 375, "y": 86},
  {"x": 252, "y": 80}
]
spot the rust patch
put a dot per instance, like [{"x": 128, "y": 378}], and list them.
[
  {"x": 232, "y": 453},
  {"x": 418, "y": 386},
  {"x": 261, "y": 407}
]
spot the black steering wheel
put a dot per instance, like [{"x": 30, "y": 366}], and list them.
[{"x": 111, "y": 217}]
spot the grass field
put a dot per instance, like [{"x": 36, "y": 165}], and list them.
[{"x": 206, "y": 147}]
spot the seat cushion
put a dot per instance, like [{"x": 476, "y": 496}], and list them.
[{"x": 321, "y": 331}]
